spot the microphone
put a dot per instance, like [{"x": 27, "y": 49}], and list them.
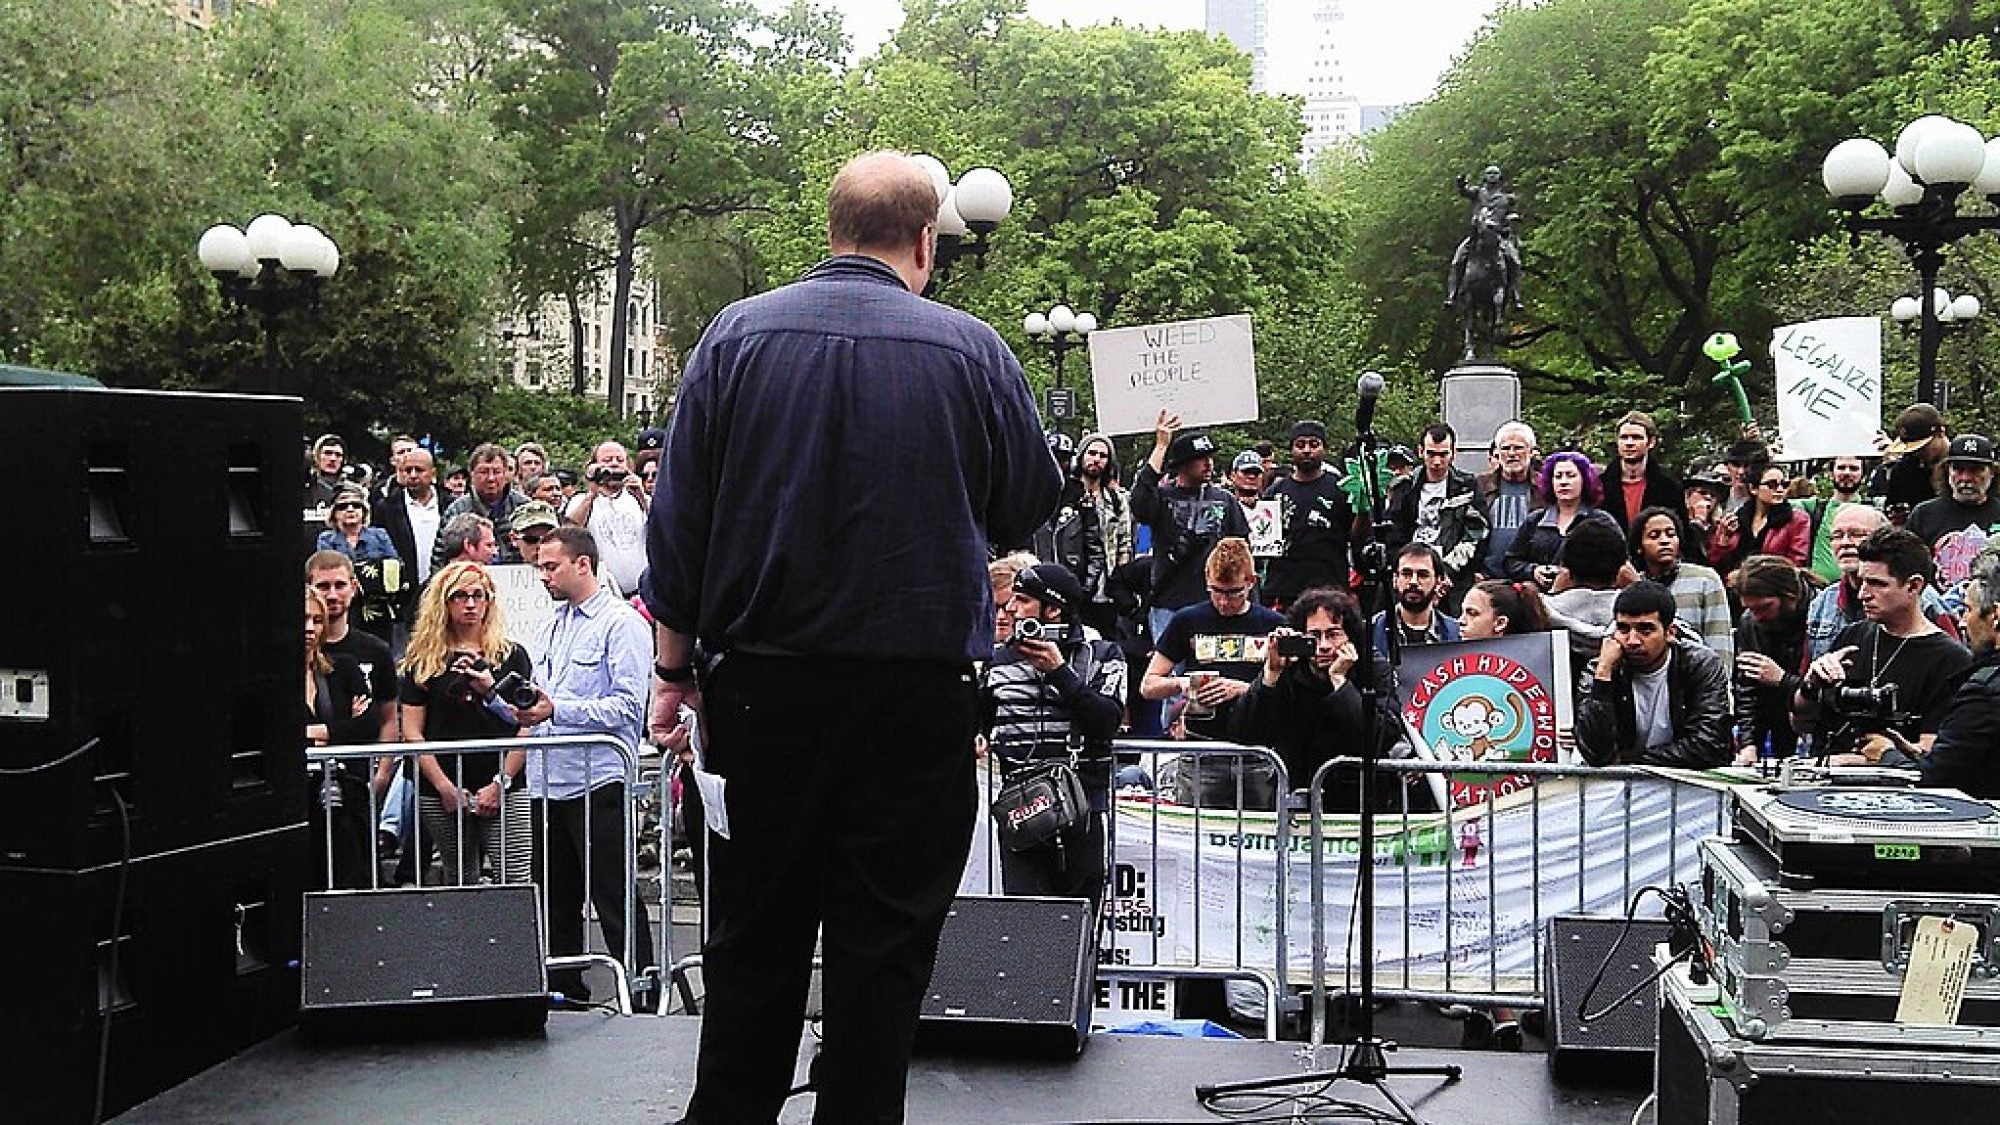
[{"x": 1369, "y": 387}]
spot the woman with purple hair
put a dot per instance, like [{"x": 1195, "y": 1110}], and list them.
[{"x": 1569, "y": 490}]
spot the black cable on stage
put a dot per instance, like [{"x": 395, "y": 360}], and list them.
[
  {"x": 1680, "y": 913},
  {"x": 47, "y": 766}
]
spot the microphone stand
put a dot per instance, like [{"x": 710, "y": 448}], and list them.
[{"x": 1367, "y": 1061}]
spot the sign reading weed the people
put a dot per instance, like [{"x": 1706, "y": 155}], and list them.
[
  {"x": 1829, "y": 384},
  {"x": 1203, "y": 370}
]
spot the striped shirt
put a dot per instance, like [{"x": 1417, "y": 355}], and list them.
[{"x": 1701, "y": 601}]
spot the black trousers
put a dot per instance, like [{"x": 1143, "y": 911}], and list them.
[
  {"x": 850, "y": 800},
  {"x": 560, "y": 836}
]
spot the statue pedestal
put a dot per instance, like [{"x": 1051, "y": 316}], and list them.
[{"x": 1475, "y": 399}]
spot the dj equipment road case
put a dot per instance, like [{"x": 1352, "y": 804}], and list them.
[
  {"x": 1743, "y": 900},
  {"x": 1819, "y": 1070}
]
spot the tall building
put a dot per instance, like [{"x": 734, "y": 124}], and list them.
[
  {"x": 200, "y": 14},
  {"x": 536, "y": 351},
  {"x": 1242, "y": 22},
  {"x": 1332, "y": 115}
]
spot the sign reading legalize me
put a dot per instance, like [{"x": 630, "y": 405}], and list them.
[
  {"x": 1829, "y": 383},
  {"x": 1203, "y": 370}
]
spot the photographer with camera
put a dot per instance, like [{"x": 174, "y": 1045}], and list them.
[
  {"x": 1966, "y": 752},
  {"x": 461, "y": 677},
  {"x": 1055, "y": 691},
  {"x": 1303, "y": 704},
  {"x": 1172, "y": 495},
  {"x": 1894, "y": 672},
  {"x": 614, "y": 508}
]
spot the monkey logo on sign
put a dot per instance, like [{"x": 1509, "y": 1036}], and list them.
[{"x": 1470, "y": 703}]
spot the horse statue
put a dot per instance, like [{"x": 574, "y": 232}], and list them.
[{"x": 1483, "y": 283}]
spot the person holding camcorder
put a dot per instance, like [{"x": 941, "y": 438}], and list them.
[
  {"x": 1890, "y": 675},
  {"x": 1055, "y": 692}
]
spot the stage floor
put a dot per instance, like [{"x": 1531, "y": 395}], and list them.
[{"x": 606, "y": 1070}]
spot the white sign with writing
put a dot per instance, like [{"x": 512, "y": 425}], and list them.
[
  {"x": 1829, "y": 381},
  {"x": 1267, "y": 529},
  {"x": 525, "y": 605},
  {"x": 1203, "y": 370}
]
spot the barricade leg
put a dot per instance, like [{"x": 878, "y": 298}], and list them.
[{"x": 584, "y": 851}]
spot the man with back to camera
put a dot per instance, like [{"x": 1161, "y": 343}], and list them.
[
  {"x": 1654, "y": 699},
  {"x": 846, "y": 682},
  {"x": 1897, "y": 645}
]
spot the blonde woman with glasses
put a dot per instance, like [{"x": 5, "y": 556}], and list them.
[{"x": 454, "y": 682}]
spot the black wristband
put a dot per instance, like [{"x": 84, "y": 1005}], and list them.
[{"x": 680, "y": 675}]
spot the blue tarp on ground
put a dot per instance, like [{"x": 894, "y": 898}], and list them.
[{"x": 1177, "y": 1029}]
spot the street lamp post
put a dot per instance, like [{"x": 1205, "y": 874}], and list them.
[
  {"x": 1935, "y": 162},
  {"x": 969, "y": 211},
  {"x": 1059, "y": 330},
  {"x": 270, "y": 266},
  {"x": 1953, "y": 314}
]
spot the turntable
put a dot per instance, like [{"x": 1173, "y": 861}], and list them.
[{"x": 1895, "y": 839}]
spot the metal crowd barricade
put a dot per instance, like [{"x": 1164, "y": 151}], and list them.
[
  {"x": 511, "y": 838},
  {"x": 1442, "y": 851},
  {"x": 1139, "y": 843}
]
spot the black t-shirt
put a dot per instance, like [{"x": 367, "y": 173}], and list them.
[
  {"x": 1201, "y": 640},
  {"x": 1316, "y": 517},
  {"x": 1925, "y": 670},
  {"x": 451, "y": 718},
  {"x": 370, "y": 653},
  {"x": 1933, "y": 518}
]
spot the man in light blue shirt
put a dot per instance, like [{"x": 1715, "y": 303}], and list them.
[{"x": 595, "y": 673}]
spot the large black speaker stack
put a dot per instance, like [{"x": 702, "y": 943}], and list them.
[{"x": 152, "y": 772}]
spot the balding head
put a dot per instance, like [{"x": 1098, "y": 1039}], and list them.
[
  {"x": 883, "y": 205},
  {"x": 1852, "y": 523}
]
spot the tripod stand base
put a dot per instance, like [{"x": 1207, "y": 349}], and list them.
[{"x": 1367, "y": 1063}]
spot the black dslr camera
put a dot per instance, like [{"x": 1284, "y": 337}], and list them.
[
  {"x": 516, "y": 689},
  {"x": 1054, "y": 632},
  {"x": 605, "y": 474},
  {"x": 1864, "y": 710}
]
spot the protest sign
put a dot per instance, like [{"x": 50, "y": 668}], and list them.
[
  {"x": 1497, "y": 699},
  {"x": 1829, "y": 384},
  {"x": 1203, "y": 370},
  {"x": 1267, "y": 529},
  {"x": 525, "y": 605}
]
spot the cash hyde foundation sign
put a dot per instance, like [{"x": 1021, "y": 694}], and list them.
[{"x": 1498, "y": 699}]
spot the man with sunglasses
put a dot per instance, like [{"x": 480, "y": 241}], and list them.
[
  {"x": 532, "y": 523},
  {"x": 1956, "y": 525}
]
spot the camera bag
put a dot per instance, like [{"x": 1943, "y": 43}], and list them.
[{"x": 1037, "y": 802}]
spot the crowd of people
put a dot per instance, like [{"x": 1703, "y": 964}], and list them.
[{"x": 820, "y": 629}]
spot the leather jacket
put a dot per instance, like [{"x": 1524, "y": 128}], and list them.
[{"x": 1698, "y": 701}]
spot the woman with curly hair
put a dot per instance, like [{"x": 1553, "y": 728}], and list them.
[
  {"x": 458, "y": 652},
  {"x": 1569, "y": 490}
]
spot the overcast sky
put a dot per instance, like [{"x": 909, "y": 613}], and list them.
[{"x": 1396, "y": 48}]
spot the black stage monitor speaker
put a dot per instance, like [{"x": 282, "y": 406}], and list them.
[
  {"x": 1012, "y": 975},
  {"x": 423, "y": 961},
  {"x": 158, "y": 615},
  {"x": 187, "y": 956},
  {"x": 1574, "y": 947}
]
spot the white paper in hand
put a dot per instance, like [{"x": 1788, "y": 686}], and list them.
[{"x": 715, "y": 811}]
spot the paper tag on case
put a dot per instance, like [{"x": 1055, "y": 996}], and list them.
[{"x": 1940, "y": 962}]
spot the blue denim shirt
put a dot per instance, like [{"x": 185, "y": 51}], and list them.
[
  {"x": 597, "y": 666},
  {"x": 842, "y": 452}
]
